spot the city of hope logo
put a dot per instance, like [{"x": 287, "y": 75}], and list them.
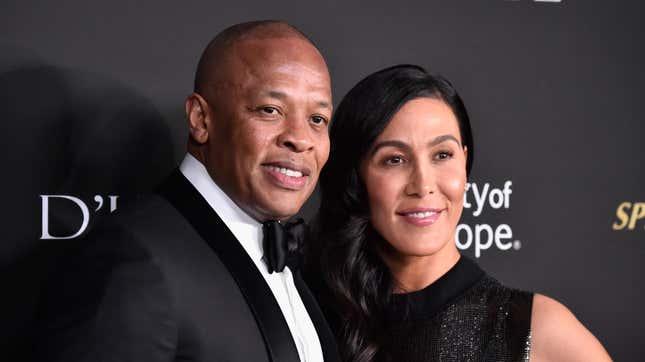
[
  {"x": 484, "y": 236},
  {"x": 98, "y": 199},
  {"x": 628, "y": 214}
]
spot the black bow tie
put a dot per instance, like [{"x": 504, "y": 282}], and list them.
[{"x": 282, "y": 244}]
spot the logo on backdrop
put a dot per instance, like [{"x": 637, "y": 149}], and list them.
[
  {"x": 479, "y": 199},
  {"x": 629, "y": 216},
  {"x": 85, "y": 210}
]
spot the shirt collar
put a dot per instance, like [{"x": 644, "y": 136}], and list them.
[{"x": 246, "y": 230}]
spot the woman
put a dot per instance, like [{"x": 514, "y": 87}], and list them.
[{"x": 394, "y": 285}]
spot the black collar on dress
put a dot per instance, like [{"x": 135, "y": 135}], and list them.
[{"x": 427, "y": 302}]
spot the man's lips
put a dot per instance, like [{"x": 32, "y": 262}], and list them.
[
  {"x": 290, "y": 166},
  {"x": 287, "y": 175},
  {"x": 420, "y": 216}
]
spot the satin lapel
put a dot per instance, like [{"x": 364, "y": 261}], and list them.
[
  {"x": 275, "y": 331},
  {"x": 325, "y": 335}
]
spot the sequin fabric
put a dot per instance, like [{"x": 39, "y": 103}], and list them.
[{"x": 488, "y": 322}]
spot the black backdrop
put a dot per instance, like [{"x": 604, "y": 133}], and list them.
[{"x": 91, "y": 100}]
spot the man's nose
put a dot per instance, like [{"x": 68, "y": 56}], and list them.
[
  {"x": 421, "y": 182},
  {"x": 296, "y": 135}
]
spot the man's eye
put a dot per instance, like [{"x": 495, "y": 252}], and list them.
[
  {"x": 318, "y": 120},
  {"x": 270, "y": 110}
]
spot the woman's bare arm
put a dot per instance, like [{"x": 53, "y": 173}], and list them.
[{"x": 557, "y": 335}]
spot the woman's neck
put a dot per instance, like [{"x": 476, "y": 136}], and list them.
[{"x": 412, "y": 273}]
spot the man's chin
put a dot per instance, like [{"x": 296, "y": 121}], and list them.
[{"x": 283, "y": 205}]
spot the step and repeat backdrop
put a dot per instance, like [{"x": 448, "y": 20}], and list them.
[{"x": 91, "y": 109}]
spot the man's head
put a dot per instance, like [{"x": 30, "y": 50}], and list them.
[{"x": 259, "y": 114}]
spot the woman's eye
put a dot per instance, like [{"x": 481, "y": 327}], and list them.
[
  {"x": 443, "y": 155},
  {"x": 394, "y": 160}
]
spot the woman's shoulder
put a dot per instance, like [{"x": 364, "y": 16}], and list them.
[
  {"x": 495, "y": 293},
  {"x": 557, "y": 335},
  {"x": 510, "y": 308}
]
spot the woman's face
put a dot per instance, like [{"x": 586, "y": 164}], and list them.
[{"x": 415, "y": 175}]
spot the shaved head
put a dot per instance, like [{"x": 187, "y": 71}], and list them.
[
  {"x": 210, "y": 68},
  {"x": 258, "y": 117}
]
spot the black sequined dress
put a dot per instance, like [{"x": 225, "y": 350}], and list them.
[{"x": 465, "y": 315}]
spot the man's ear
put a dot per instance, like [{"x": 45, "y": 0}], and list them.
[{"x": 196, "y": 115}]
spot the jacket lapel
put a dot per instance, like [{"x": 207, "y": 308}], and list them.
[
  {"x": 275, "y": 331},
  {"x": 325, "y": 335}
]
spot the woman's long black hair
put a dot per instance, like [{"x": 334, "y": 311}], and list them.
[{"x": 356, "y": 283}]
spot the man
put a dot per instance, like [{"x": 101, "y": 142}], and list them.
[{"x": 183, "y": 276}]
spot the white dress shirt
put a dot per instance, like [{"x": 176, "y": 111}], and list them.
[{"x": 249, "y": 233}]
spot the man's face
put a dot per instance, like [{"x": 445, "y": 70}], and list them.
[{"x": 268, "y": 136}]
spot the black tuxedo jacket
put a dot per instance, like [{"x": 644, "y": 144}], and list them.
[{"x": 167, "y": 281}]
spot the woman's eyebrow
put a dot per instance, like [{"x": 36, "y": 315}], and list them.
[
  {"x": 405, "y": 147},
  {"x": 391, "y": 143},
  {"x": 443, "y": 138}
]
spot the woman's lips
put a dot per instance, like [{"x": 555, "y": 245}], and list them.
[
  {"x": 285, "y": 177},
  {"x": 420, "y": 217}
]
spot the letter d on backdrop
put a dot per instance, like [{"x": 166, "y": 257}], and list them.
[{"x": 45, "y": 216}]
